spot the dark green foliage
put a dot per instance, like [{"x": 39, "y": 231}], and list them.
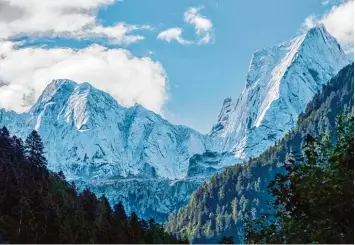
[
  {"x": 119, "y": 211},
  {"x": 39, "y": 206},
  {"x": 220, "y": 207},
  {"x": 34, "y": 150},
  {"x": 314, "y": 198},
  {"x": 226, "y": 240}
]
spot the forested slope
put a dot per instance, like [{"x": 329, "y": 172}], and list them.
[
  {"x": 219, "y": 207},
  {"x": 40, "y": 206}
]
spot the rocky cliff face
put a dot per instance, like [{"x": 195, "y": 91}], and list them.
[
  {"x": 280, "y": 82},
  {"x": 88, "y": 135}
]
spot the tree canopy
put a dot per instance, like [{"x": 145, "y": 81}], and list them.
[
  {"x": 314, "y": 199},
  {"x": 40, "y": 206}
]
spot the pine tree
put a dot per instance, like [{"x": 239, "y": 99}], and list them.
[
  {"x": 120, "y": 212},
  {"x": 103, "y": 221},
  {"x": 34, "y": 150},
  {"x": 135, "y": 229}
]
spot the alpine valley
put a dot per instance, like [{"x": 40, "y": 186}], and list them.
[{"x": 135, "y": 156}]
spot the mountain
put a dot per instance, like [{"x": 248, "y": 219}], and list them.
[
  {"x": 135, "y": 156},
  {"x": 96, "y": 142},
  {"x": 218, "y": 207},
  {"x": 280, "y": 82},
  {"x": 101, "y": 139}
]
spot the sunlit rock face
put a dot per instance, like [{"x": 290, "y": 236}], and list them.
[{"x": 280, "y": 82}]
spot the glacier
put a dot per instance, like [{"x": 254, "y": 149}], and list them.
[{"x": 136, "y": 156}]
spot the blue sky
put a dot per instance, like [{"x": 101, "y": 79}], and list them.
[{"x": 199, "y": 76}]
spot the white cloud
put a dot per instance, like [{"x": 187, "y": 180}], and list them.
[
  {"x": 203, "y": 26},
  {"x": 26, "y": 71},
  {"x": 173, "y": 34},
  {"x": 61, "y": 18},
  {"x": 339, "y": 21},
  {"x": 309, "y": 22}
]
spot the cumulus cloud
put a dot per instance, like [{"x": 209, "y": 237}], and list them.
[
  {"x": 202, "y": 24},
  {"x": 25, "y": 72},
  {"x": 203, "y": 28},
  {"x": 339, "y": 21},
  {"x": 173, "y": 34},
  {"x": 64, "y": 18}
]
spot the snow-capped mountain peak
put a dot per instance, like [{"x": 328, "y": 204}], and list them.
[
  {"x": 81, "y": 104},
  {"x": 90, "y": 136},
  {"x": 61, "y": 88},
  {"x": 281, "y": 80}
]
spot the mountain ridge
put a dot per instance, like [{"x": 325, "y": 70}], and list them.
[
  {"x": 86, "y": 108},
  {"x": 112, "y": 149},
  {"x": 98, "y": 143}
]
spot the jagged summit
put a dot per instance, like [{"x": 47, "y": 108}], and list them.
[
  {"x": 320, "y": 30},
  {"x": 102, "y": 139},
  {"x": 279, "y": 83},
  {"x": 61, "y": 88},
  {"x": 80, "y": 104},
  {"x": 57, "y": 83}
]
